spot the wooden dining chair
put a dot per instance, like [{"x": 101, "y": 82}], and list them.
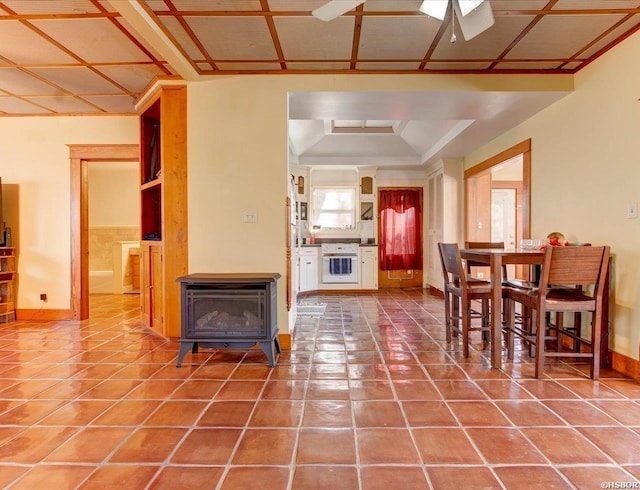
[
  {"x": 572, "y": 280},
  {"x": 460, "y": 291}
]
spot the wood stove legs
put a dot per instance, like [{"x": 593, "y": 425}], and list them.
[{"x": 270, "y": 348}]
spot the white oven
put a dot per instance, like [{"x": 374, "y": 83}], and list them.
[{"x": 339, "y": 263}]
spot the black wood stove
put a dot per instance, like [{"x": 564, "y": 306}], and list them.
[{"x": 229, "y": 310}]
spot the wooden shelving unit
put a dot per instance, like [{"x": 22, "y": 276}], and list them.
[
  {"x": 163, "y": 207},
  {"x": 7, "y": 284}
]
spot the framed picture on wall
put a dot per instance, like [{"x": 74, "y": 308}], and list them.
[{"x": 303, "y": 211}]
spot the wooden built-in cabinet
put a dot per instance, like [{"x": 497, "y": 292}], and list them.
[
  {"x": 163, "y": 207},
  {"x": 7, "y": 284}
]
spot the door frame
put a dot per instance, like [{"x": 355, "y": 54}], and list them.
[
  {"x": 80, "y": 156},
  {"x": 524, "y": 149}
]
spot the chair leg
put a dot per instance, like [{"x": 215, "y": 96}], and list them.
[
  {"x": 511, "y": 321},
  {"x": 577, "y": 330},
  {"x": 531, "y": 332},
  {"x": 466, "y": 324},
  {"x": 455, "y": 316},
  {"x": 486, "y": 320},
  {"x": 540, "y": 335},
  {"x": 559, "y": 327},
  {"x": 596, "y": 319},
  {"x": 447, "y": 315}
]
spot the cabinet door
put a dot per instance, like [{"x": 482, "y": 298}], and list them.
[
  {"x": 145, "y": 284},
  {"x": 369, "y": 272},
  {"x": 157, "y": 291},
  {"x": 435, "y": 232},
  {"x": 309, "y": 272}
]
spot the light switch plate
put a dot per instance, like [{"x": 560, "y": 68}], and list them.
[
  {"x": 632, "y": 210},
  {"x": 250, "y": 216}
]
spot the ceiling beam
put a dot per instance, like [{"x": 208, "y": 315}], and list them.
[{"x": 145, "y": 26}]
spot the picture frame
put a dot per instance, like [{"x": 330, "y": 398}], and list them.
[{"x": 303, "y": 211}]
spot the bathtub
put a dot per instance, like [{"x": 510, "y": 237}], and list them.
[{"x": 100, "y": 282}]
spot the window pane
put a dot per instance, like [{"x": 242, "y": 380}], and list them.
[{"x": 334, "y": 208}]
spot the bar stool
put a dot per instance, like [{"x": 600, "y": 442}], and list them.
[
  {"x": 459, "y": 291},
  {"x": 572, "y": 280}
]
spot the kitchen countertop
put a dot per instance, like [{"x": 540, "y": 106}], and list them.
[{"x": 305, "y": 245}]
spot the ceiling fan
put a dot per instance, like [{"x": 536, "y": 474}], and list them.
[{"x": 474, "y": 16}]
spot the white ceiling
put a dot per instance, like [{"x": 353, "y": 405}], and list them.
[
  {"x": 93, "y": 57},
  {"x": 428, "y": 125}
]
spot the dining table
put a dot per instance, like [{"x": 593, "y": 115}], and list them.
[{"x": 495, "y": 258}]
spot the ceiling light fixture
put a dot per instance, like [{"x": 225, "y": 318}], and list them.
[{"x": 474, "y": 16}]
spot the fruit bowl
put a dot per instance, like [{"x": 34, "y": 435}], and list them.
[{"x": 556, "y": 239}]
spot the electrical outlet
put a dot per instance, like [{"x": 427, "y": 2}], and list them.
[{"x": 43, "y": 297}]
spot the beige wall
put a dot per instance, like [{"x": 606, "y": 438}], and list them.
[
  {"x": 114, "y": 194},
  {"x": 36, "y": 159},
  {"x": 585, "y": 154}
]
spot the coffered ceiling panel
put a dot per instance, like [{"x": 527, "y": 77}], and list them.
[
  {"x": 488, "y": 45},
  {"x": 628, "y": 26},
  {"x": 561, "y": 36},
  {"x": 251, "y": 66},
  {"x": 217, "y": 5},
  {"x": 307, "y": 38},
  {"x": 13, "y": 105},
  {"x": 412, "y": 37},
  {"x": 93, "y": 40},
  {"x": 388, "y": 65},
  {"x": 17, "y": 82},
  {"x": 79, "y": 80},
  {"x": 292, "y": 65},
  {"x": 52, "y": 7},
  {"x": 24, "y": 46},
  {"x": 234, "y": 38},
  {"x": 65, "y": 104}
]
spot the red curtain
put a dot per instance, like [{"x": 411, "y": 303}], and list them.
[{"x": 400, "y": 229}]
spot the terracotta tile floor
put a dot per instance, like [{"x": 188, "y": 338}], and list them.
[{"x": 369, "y": 397}]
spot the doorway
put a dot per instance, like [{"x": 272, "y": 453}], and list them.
[
  {"x": 114, "y": 229},
  {"x": 400, "y": 237},
  {"x": 497, "y": 198},
  {"x": 80, "y": 156}
]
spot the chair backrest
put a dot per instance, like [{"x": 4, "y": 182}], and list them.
[
  {"x": 575, "y": 266},
  {"x": 452, "y": 269}
]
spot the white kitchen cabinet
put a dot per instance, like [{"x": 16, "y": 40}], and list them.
[
  {"x": 369, "y": 267},
  {"x": 308, "y": 269}
]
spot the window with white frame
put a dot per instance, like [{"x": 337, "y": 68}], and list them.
[{"x": 334, "y": 207}]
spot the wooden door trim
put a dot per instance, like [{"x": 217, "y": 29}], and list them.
[
  {"x": 80, "y": 156},
  {"x": 523, "y": 148}
]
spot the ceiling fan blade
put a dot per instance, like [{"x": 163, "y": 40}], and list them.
[
  {"x": 335, "y": 8},
  {"x": 475, "y": 21}
]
